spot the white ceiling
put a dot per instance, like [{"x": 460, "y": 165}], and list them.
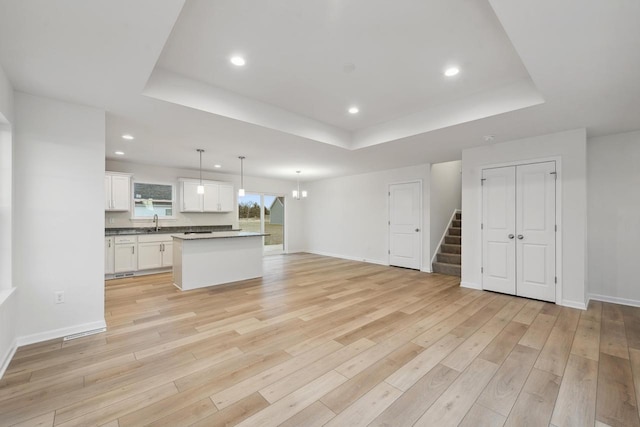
[{"x": 575, "y": 63}]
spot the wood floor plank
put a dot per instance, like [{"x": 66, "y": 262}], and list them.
[
  {"x": 536, "y": 401},
  {"x": 316, "y": 415},
  {"x": 539, "y": 331},
  {"x": 261, "y": 380},
  {"x": 357, "y": 386},
  {"x": 369, "y": 406},
  {"x": 415, "y": 369},
  {"x": 329, "y": 340},
  {"x": 298, "y": 400},
  {"x": 479, "y": 416},
  {"x": 576, "y": 402},
  {"x": 502, "y": 391},
  {"x": 554, "y": 354},
  {"x": 453, "y": 405},
  {"x": 634, "y": 357},
  {"x": 406, "y": 410},
  {"x": 613, "y": 339},
  {"x": 616, "y": 405}
]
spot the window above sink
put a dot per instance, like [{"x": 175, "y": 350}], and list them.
[{"x": 151, "y": 199}]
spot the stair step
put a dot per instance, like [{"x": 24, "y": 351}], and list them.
[
  {"x": 453, "y": 240},
  {"x": 449, "y": 258},
  {"x": 459, "y": 215},
  {"x": 455, "y": 231},
  {"x": 449, "y": 269},
  {"x": 451, "y": 249},
  {"x": 457, "y": 223}
]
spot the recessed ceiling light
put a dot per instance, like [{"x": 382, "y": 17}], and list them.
[
  {"x": 127, "y": 137},
  {"x": 120, "y": 153},
  {"x": 238, "y": 61},
  {"x": 217, "y": 166},
  {"x": 354, "y": 110},
  {"x": 488, "y": 138},
  {"x": 452, "y": 71}
]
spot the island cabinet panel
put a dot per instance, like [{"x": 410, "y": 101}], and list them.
[{"x": 214, "y": 260}]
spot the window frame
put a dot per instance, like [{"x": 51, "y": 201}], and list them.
[{"x": 134, "y": 217}]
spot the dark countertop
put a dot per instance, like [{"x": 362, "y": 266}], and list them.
[
  {"x": 166, "y": 230},
  {"x": 217, "y": 235}
]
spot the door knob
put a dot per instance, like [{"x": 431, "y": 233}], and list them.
[
  {"x": 520, "y": 236},
  {"x": 511, "y": 236},
  {"x": 417, "y": 230}
]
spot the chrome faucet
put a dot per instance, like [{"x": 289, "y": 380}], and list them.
[{"x": 155, "y": 220}]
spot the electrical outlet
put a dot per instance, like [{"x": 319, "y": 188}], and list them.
[{"x": 59, "y": 297}]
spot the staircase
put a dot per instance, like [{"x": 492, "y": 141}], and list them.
[{"x": 448, "y": 259}]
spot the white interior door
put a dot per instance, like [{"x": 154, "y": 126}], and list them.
[
  {"x": 519, "y": 230},
  {"x": 405, "y": 235},
  {"x": 536, "y": 230},
  {"x": 498, "y": 230}
]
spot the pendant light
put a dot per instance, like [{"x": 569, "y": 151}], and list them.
[
  {"x": 297, "y": 194},
  {"x": 200, "y": 186},
  {"x": 241, "y": 190}
]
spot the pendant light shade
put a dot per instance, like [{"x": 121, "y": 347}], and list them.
[
  {"x": 241, "y": 190},
  {"x": 200, "y": 188},
  {"x": 297, "y": 194}
]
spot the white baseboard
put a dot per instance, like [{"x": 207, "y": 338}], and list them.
[
  {"x": 7, "y": 357},
  {"x": 615, "y": 300},
  {"x": 58, "y": 333},
  {"x": 573, "y": 304},
  {"x": 426, "y": 270},
  {"x": 350, "y": 258},
  {"x": 470, "y": 285}
]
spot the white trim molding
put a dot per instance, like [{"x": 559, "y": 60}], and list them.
[
  {"x": 573, "y": 304},
  {"x": 59, "y": 333},
  {"x": 7, "y": 357},
  {"x": 350, "y": 258},
  {"x": 470, "y": 285},
  {"x": 614, "y": 300}
]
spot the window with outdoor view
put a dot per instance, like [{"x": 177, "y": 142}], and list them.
[{"x": 152, "y": 199}]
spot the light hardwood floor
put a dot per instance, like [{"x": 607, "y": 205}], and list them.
[{"x": 323, "y": 341}]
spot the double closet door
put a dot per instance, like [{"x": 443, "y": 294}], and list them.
[{"x": 519, "y": 230}]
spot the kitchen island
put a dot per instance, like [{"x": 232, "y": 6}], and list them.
[{"x": 209, "y": 259}]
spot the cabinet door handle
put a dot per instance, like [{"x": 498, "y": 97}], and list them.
[
  {"x": 161, "y": 247},
  {"x": 133, "y": 250},
  {"x": 511, "y": 236},
  {"x": 520, "y": 236}
]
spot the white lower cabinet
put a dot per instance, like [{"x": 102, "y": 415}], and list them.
[
  {"x": 125, "y": 254},
  {"x": 109, "y": 255},
  {"x": 155, "y": 251},
  {"x": 131, "y": 253}
]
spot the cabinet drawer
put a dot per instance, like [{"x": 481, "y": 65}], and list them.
[
  {"x": 155, "y": 238},
  {"x": 125, "y": 239}
]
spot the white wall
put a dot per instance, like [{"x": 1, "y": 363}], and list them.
[
  {"x": 570, "y": 146},
  {"x": 446, "y": 197},
  {"x": 614, "y": 217},
  {"x": 6, "y": 98},
  {"x": 58, "y": 222},
  {"x": 294, "y": 239},
  {"x": 8, "y": 296},
  {"x": 347, "y": 217}
]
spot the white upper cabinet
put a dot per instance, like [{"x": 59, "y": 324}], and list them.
[
  {"x": 217, "y": 197},
  {"x": 191, "y": 201},
  {"x": 117, "y": 192}
]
